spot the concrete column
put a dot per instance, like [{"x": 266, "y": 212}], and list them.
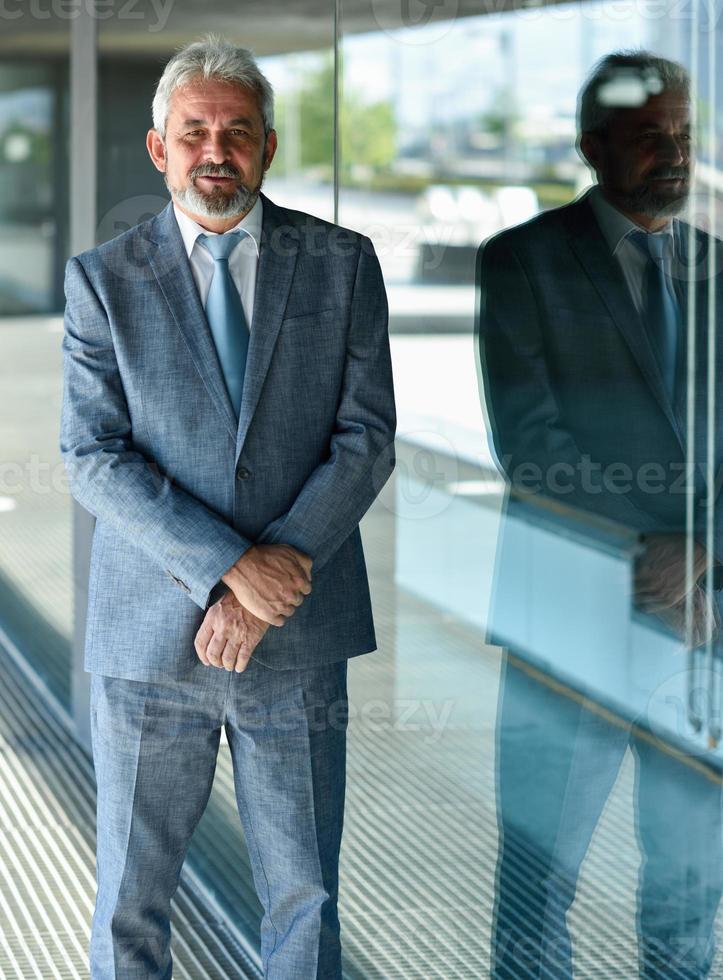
[{"x": 83, "y": 226}]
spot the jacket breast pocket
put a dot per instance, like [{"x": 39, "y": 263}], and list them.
[
  {"x": 315, "y": 340},
  {"x": 304, "y": 320},
  {"x": 583, "y": 318}
]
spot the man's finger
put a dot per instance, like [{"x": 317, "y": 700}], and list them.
[
  {"x": 264, "y": 611},
  {"x": 215, "y": 649},
  {"x": 201, "y": 641},
  {"x": 284, "y": 609},
  {"x": 305, "y": 562},
  {"x": 305, "y": 566},
  {"x": 228, "y": 658},
  {"x": 242, "y": 658},
  {"x": 302, "y": 562},
  {"x": 273, "y": 619},
  {"x": 246, "y": 650}
]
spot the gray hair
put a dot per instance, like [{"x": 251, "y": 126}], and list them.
[
  {"x": 626, "y": 79},
  {"x": 212, "y": 58}
]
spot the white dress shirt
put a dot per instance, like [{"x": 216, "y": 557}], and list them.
[
  {"x": 616, "y": 228},
  {"x": 242, "y": 264}
]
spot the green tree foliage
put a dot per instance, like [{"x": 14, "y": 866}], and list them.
[{"x": 367, "y": 129}]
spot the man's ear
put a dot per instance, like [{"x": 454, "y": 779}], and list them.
[
  {"x": 156, "y": 150},
  {"x": 270, "y": 148},
  {"x": 590, "y": 149}
]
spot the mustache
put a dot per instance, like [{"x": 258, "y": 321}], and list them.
[
  {"x": 209, "y": 170},
  {"x": 670, "y": 173}
]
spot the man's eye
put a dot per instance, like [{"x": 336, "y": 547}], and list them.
[{"x": 239, "y": 132}]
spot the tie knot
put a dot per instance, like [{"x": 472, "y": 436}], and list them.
[
  {"x": 221, "y": 246},
  {"x": 651, "y": 245}
]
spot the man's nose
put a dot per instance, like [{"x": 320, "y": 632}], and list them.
[
  {"x": 216, "y": 148},
  {"x": 673, "y": 149}
]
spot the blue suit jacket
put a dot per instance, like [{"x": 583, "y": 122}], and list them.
[
  {"x": 179, "y": 489},
  {"x": 578, "y": 411},
  {"x": 569, "y": 374}
]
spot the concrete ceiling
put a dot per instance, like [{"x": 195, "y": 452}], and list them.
[{"x": 158, "y": 27}]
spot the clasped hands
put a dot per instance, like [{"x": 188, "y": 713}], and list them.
[
  {"x": 267, "y": 585},
  {"x": 662, "y": 588}
]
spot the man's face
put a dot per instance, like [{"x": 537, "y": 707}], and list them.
[
  {"x": 216, "y": 152},
  {"x": 643, "y": 159}
]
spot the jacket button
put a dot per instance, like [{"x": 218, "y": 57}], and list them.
[{"x": 242, "y": 473}]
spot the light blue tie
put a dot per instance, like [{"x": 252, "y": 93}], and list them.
[
  {"x": 662, "y": 313},
  {"x": 225, "y": 315}
]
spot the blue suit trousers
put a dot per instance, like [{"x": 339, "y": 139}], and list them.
[
  {"x": 155, "y": 747},
  {"x": 557, "y": 764}
]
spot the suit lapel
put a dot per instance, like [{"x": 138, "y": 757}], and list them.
[
  {"x": 277, "y": 261},
  {"x": 588, "y": 243},
  {"x": 173, "y": 272}
]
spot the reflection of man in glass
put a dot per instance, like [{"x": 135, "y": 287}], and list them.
[{"x": 583, "y": 357}]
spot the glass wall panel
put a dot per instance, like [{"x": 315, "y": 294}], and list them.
[
  {"x": 551, "y": 674},
  {"x": 35, "y": 507},
  {"x": 33, "y": 172}
]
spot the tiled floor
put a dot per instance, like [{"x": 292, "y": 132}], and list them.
[{"x": 47, "y": 855}]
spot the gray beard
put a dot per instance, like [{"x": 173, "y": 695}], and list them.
[
  {"x": 217, "y": 204},
  {"x": 645, "y": 200}
]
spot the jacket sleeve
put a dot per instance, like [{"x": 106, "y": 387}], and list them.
[
  {"x": 110, "y": 478},
  {"x": 340, "y": 490},
  {"x": 534, "y": 449}
]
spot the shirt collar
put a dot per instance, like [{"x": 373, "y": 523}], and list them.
[
  {"x": 251, "y": 224},
  {"x": 614, "y": 225}
]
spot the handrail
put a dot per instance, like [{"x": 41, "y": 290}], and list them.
[{"x": 599, "y": 532}]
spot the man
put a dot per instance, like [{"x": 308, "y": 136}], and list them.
[
  {"x": 583, "y": 354},
  {"x": 228, "y": 417}
]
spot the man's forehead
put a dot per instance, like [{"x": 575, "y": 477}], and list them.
[
  {"x": 214, "y": 96},
  {"x": 658, "y": 110}
]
